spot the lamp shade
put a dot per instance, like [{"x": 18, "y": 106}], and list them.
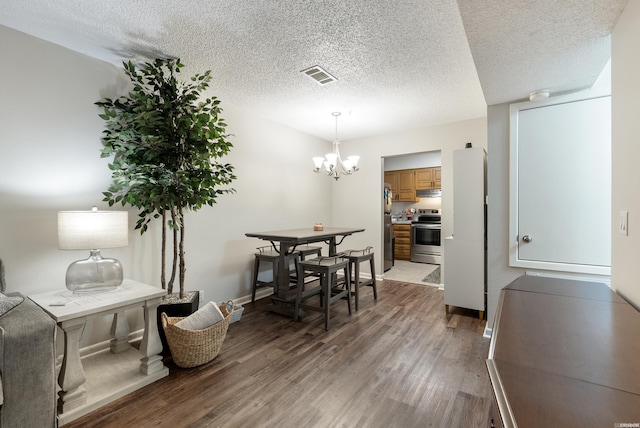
[{"x": 87, "y": 230}]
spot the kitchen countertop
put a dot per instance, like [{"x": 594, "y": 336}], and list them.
[{"x": 400, "y": 221}]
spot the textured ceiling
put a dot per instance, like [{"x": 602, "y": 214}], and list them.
[
  {"x": 523, "y": 46},
  {"x": 399, "y": 64}
]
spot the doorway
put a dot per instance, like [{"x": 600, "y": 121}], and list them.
[{"x": 401, "y": 205}]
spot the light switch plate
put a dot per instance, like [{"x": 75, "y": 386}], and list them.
[{"x": 623, "y": 223}]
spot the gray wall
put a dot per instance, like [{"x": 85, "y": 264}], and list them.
[
  {"x": 625, "y": 194},
  {"x": 499, "y": 273},
  {"x": 625, "y": 90}
]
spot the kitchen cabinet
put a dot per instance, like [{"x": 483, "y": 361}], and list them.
[
  {"x": 405, "y": 182},
  {"x": 391, "y": 178},
  {"x": 428, "y": 178},
  {"x": 403, "y": 185},
  {"x": 406, "y": 185},
  {"x": 402, "y": 248}
]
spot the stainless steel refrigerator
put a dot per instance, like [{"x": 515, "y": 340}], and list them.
[
  {"x": 389, "y": 238},
  {"x": 388, "y": 242}
]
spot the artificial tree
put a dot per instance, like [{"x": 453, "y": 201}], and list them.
[{"x": 165, "y": 143}]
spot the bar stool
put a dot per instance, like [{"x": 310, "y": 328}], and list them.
[
  {"x": 355, "y": 258},
  {"x": 267, "y": 254},
  {"x": 305, "y": 251},
  {"x": 327, "y": 268}
]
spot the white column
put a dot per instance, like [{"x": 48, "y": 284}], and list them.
[
  {"x": 71, "y": 378},
  {"x": 151, "y": 347},
  {"x": 119, "y": 333}
]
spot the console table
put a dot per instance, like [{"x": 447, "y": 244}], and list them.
[
  {"x": 564, "y": 353},
  {"x": 90, "y": 382}
]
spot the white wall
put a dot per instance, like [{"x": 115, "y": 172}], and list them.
[
  {"x": 49, "y": 155},
  {"x": 499, "y": 273},
  {"x": 417, "y": 160},
  {"x": 50, "y": 161},
  {"x": 625, "y": 85}
]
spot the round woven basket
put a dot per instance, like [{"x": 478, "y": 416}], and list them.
[{"x": 191, "y": 348}]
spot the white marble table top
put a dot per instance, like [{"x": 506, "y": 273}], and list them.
[{"x": 63, "y": 305}]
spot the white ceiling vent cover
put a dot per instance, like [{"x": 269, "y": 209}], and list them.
[{"x": 319, "y": 74}]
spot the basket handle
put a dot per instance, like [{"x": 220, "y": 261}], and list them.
[{"x": 163, "y": 316}]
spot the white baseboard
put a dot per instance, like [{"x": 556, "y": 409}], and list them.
[{"x": 487, "y": 332}]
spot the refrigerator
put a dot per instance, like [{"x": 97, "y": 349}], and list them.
[
  {"x": 465, "y": 251},
  {"x": 387, "y": 225}
]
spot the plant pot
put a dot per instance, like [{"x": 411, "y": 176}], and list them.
[{"x": 175, "y": 307}]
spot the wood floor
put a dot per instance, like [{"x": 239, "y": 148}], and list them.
[{"x": 397, "y": 362}]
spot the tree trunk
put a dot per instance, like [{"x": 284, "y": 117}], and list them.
[
  {"x": 182, "y": 265},
  {"x": 163, "y": 263},
  {"x": 175, "y": 251}
]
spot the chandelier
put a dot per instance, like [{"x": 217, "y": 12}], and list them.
[{"x": 332, "y": 164}]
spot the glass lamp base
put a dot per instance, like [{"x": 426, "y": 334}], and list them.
[{"x": 94, "y": 274}]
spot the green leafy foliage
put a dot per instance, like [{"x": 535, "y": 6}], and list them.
[{"x": 166, "y": 144}]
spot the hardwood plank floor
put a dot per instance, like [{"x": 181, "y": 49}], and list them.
[{"x": 399, "y": 361}]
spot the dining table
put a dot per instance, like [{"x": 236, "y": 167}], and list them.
[{"x": 284, "y": 242}]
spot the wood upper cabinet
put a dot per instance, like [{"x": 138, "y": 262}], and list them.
[
  {"x": 428, "y": 178},
  {"x": 391, "y": 178},
  {"x": 437, "y": 177},
  {"x": 405, "y": 182},
  {"x": 406, "y": 185}
]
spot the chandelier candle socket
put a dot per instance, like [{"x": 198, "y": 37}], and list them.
[
  {"x": 331, "y": 161},
  {"x": 92, "y": 230}
]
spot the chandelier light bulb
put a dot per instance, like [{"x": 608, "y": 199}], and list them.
[{"x": 318, "y": 161}]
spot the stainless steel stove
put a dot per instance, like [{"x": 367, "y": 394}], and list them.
[{"x": 426, "y": 241}]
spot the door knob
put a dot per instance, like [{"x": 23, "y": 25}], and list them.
[{"x": 527, "y": 238}]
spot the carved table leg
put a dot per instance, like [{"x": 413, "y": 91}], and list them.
[
  {"x": 151, "y": 347},
  {"x": 71, "y": 378},
  {"x": 119, "y": 333}
]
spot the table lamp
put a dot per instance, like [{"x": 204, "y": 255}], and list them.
[{"x": 92, "y": 230}]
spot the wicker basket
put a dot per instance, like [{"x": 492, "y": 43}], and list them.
[{"x": 191, "y": 348}]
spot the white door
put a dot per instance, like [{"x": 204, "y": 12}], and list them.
[{"x": 564, "y": 186}]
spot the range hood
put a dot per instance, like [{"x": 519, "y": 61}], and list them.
[{"x": 432, "y": 193}]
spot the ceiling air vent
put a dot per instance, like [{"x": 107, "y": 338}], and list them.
[{"x": 319, "y": 74}]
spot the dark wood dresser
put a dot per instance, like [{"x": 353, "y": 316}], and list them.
[{"x": 564, "y": 353}]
